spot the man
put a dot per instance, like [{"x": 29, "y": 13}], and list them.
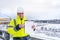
[{"x": 16, "y": 26}]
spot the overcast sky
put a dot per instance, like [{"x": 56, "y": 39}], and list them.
[{"x": 34, "y": 9}]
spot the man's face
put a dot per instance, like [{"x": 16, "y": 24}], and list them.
[{"x": 21, "y": 15}]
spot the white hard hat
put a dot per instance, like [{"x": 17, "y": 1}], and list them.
[{"x": 20, "y": 10}]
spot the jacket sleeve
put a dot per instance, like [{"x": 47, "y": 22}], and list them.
[{"x": 10, "y": 28}]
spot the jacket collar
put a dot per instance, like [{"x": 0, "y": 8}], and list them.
[{"x": 18, "y": 17}]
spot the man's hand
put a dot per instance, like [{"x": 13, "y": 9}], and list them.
[
  {"x": 21, "y": 25},
  {"x": 33, "y": 27}
]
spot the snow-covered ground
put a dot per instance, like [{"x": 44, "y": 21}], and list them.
[
  {"x": 49, "y": 31},
  {"x": 43, "y": 31}
]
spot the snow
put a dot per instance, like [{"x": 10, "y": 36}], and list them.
[{"x": 42, "y": 35}]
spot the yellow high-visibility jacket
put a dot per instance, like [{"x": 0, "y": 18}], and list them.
[{"x": 19, "y": 33}]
